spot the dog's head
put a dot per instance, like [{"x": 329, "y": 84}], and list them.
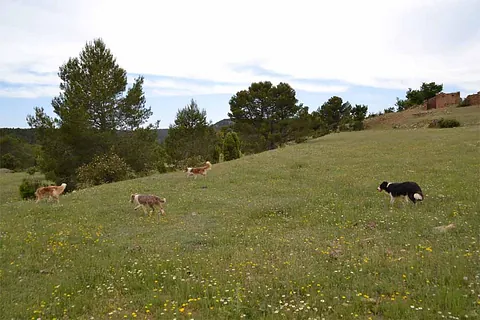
[
  {"x": 132, "y": 197},
  {"x": 382, "y": 186}
]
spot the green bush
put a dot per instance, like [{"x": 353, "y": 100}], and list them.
[
  {"x": 29, "y": 186},
  {"x": 300, "y": 139},
  {"x": 105, "y": 168},
  {"x": 449, "y": 123},
  {"x": 320, "y": 133},
  {"x": 9, "y": 161},
  {"x": 357, "y": 126},
  {"x": 444, "y": 123},
  {"x": 161, "y": 167},
  {"x": 31, "y": 171},
  {"x": 231, "y": 146}
]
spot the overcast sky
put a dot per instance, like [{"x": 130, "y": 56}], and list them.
[{"x": 367, "y": 52}]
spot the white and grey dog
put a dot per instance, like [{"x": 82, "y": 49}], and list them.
[{"x": 144, "y": 200}]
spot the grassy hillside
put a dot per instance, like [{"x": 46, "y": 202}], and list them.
[
  {"x": 295, "y": 233},
  {"x": 420, "y": 118}
]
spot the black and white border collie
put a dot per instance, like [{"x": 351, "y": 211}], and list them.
[{"x": 409, "y": 190}]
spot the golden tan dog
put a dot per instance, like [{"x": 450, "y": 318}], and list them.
[
  {"x": 199, "y": 170},
  {"x": 50, "y": 192},
  {"x": 143, "y": 200}
]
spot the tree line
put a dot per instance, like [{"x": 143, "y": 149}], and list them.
[
  {"x": 99, "y": 133},
  {"x": 413, "y": 98}
]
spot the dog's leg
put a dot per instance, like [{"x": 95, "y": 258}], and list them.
[
  {"x": 137, "y": 207},
  {"x": 392, "y": 199},
  {"x": 161, "y": 212},
  {"x": 151, "y": 207}
]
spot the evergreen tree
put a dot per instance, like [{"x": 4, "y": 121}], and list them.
[
  {"x": 358, "y": 114},
  {"x": 90, "y": 110},
  {"x": 190, "y": 136},
  {"x": 335, "y": 113},
  {"x": 262, "y": 114},
  {"x": 231, "y": 146},
  {"x": 418, "y": 97}
]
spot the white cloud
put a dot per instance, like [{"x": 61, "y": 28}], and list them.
[
  {"x": 28, "y": 92},
  {"x": 22, "y": 77},
  {"x": 372, "y": 43}
]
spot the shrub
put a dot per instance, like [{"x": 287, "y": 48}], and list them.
[
  {"x": 29, "y": 186},
  {"x": 102, "y": 169},
  {"x": 449, "y": 123},
  {"x": 320, "y": 133},
  {"x": 9, "y": 161},
  {"x": 357, "y": 126},
  {"x": 161, "y": 167},
  {"x": 444, "y": 123},
  {"x": 31, "y": 171},
  {"x": 231, "y": 146},
  {"x": 300, "y": 138}
]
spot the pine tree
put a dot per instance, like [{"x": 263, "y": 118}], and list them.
[
  {"x": 90, "y": 110},
  {"x": 262, "y": 114},
  {"x": 190, "y": 136}
]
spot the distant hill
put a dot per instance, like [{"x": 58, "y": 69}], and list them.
[
  {"x": 162, "y": 134},
  {"x": 223, "y": 123},
  {"x": 26, "y": 134}
]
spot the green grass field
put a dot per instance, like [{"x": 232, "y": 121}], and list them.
[{"x": 295, "y": 233}]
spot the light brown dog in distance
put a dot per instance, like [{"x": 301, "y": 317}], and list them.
[
  {"x": 199, "y": 170},
  {"x": 50, "y": 192}
]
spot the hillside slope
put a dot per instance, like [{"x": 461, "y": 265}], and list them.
[
  {"x": 294, "y": 233},
  {"x": 420, "y": 118}
]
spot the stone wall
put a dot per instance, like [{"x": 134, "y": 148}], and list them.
[
  {"x": 443, "y": 100},
  {"x": 473, "y": 99}
]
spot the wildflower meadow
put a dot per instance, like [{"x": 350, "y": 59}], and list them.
[{"x": 300, "y": 232}]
